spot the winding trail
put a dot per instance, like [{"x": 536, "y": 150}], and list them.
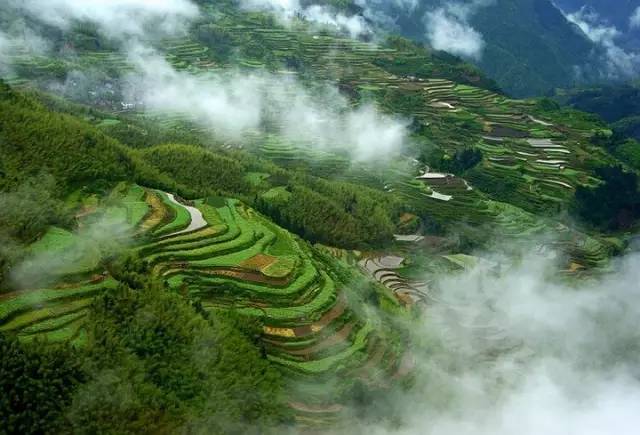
[{"x": 197, "y": 220}]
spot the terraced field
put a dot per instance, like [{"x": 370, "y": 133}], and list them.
[
  {"x": 219, "y": 254},
  {"x": 243, "y": 262},
  {"x": 533, "y": 159},
  {"x": 311, "y": 303},
  {"x": 232, "y": 259}
]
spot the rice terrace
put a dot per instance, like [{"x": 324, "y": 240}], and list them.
[{"x": 264, "y": 217}]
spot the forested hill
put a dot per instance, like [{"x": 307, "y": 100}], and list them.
[
  {"x": 619, "y": 105},
  {"x": 527, "y": 46},
  {"x": 622, "y": 15}
]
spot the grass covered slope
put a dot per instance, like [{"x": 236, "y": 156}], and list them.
[
  {"x": 238, "y": 262},
  {"x": 184, "y": 267},
  {"x": 533, "y": 156}
]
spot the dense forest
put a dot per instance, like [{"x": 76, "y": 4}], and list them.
[
  {"x": 148, "y": 367},
  {"x": 618, "y": 105}
]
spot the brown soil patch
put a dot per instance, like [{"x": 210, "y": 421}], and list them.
[
  {"x": 376, "y": 353},
  {"x": 502, "y": 131},
  {"x": 335, "y": 312},
  {"x": 85, "y": 211},
  {"x": 95, "y": 278},
  {"x": 258, "y": 262},
  {"x": 330, "y": 341},
  {"x": 407, "y": 217},
  {"x": 435, "y": 241},
  {"x": 406, "y": 365},
  {"x": 245, "y": 275},
  {"x": 405, "y": 299}
]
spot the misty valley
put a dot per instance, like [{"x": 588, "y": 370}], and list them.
[{"x": 382, "y": 217}]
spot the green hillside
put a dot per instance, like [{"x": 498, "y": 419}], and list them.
[
  {"x": 526, "y": 46},
  {"x": 160, "y": 276}
]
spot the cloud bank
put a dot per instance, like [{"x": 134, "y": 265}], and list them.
[
  {"x": 287, "y": 10},
  {"x": 448, "y": 29},
  {"x": 447, "y": 32},
  {"x": 5, "y": 49},
  {"x": 617, "y": 63},
  {"x": 11, "y": 45},
  {"x": 522, "y": 353},
  {"x": 634, "y": 21},
  {"x": 103, "y": 237},
  {"x": 4, "y": 42},
  {"x": 118, "y": 19},
  {"x": 234, "y": 104}
]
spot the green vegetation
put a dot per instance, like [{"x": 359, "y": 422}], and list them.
[
  {"x": 529, "y": 46},
  {"x": 33, "y": 140},
  {"x": 281, "y": 301},
  {"x": 238, "y": 275},
  {"x": 616, "y": 104},
  {"x": 195, "y": 372},
  {"x": 38, "y": 385},
  {"x": 614, "y": 204}
]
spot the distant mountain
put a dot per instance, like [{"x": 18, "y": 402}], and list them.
[
  {"x": 616, "y": 104},
  {"x": 624, "y": 15},
  {"x": 527, "y": 46},
  {"x": 530, "y": 46}
]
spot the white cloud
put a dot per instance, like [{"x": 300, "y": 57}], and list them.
[
  {"x": 4, "y": 42},
  {"x": 116, "y": 18},
  {"x": 4, "y": 52},
  {"x": 287, "y": 10},
  {"x": 103, "y": 237},
  {"x": 364, "y": 132},
  {"x": 234, "y": 103},
  {"x": 229, "y": 104},
  {"x": 448, "y": 28},
  {"x": 26, "y": 41},
  {"x": 617, "y": 63},
  {"x": 354, "y": 25},
  {"x": 449, "y": 33},
  {"x": 590, "y": 24},
  {"x": 634, "y": 21},
  {"x": 520, "y": 352}
]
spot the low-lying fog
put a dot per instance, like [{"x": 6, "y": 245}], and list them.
[{"x": 521, "y": 353}]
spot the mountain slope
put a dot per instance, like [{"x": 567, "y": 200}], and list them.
[
  {"x": 621, "y": 14},
  {"x": 527, "y": 46},
  {"x": 272, "y": 188},
  {"x": 530, "y": 46}
]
